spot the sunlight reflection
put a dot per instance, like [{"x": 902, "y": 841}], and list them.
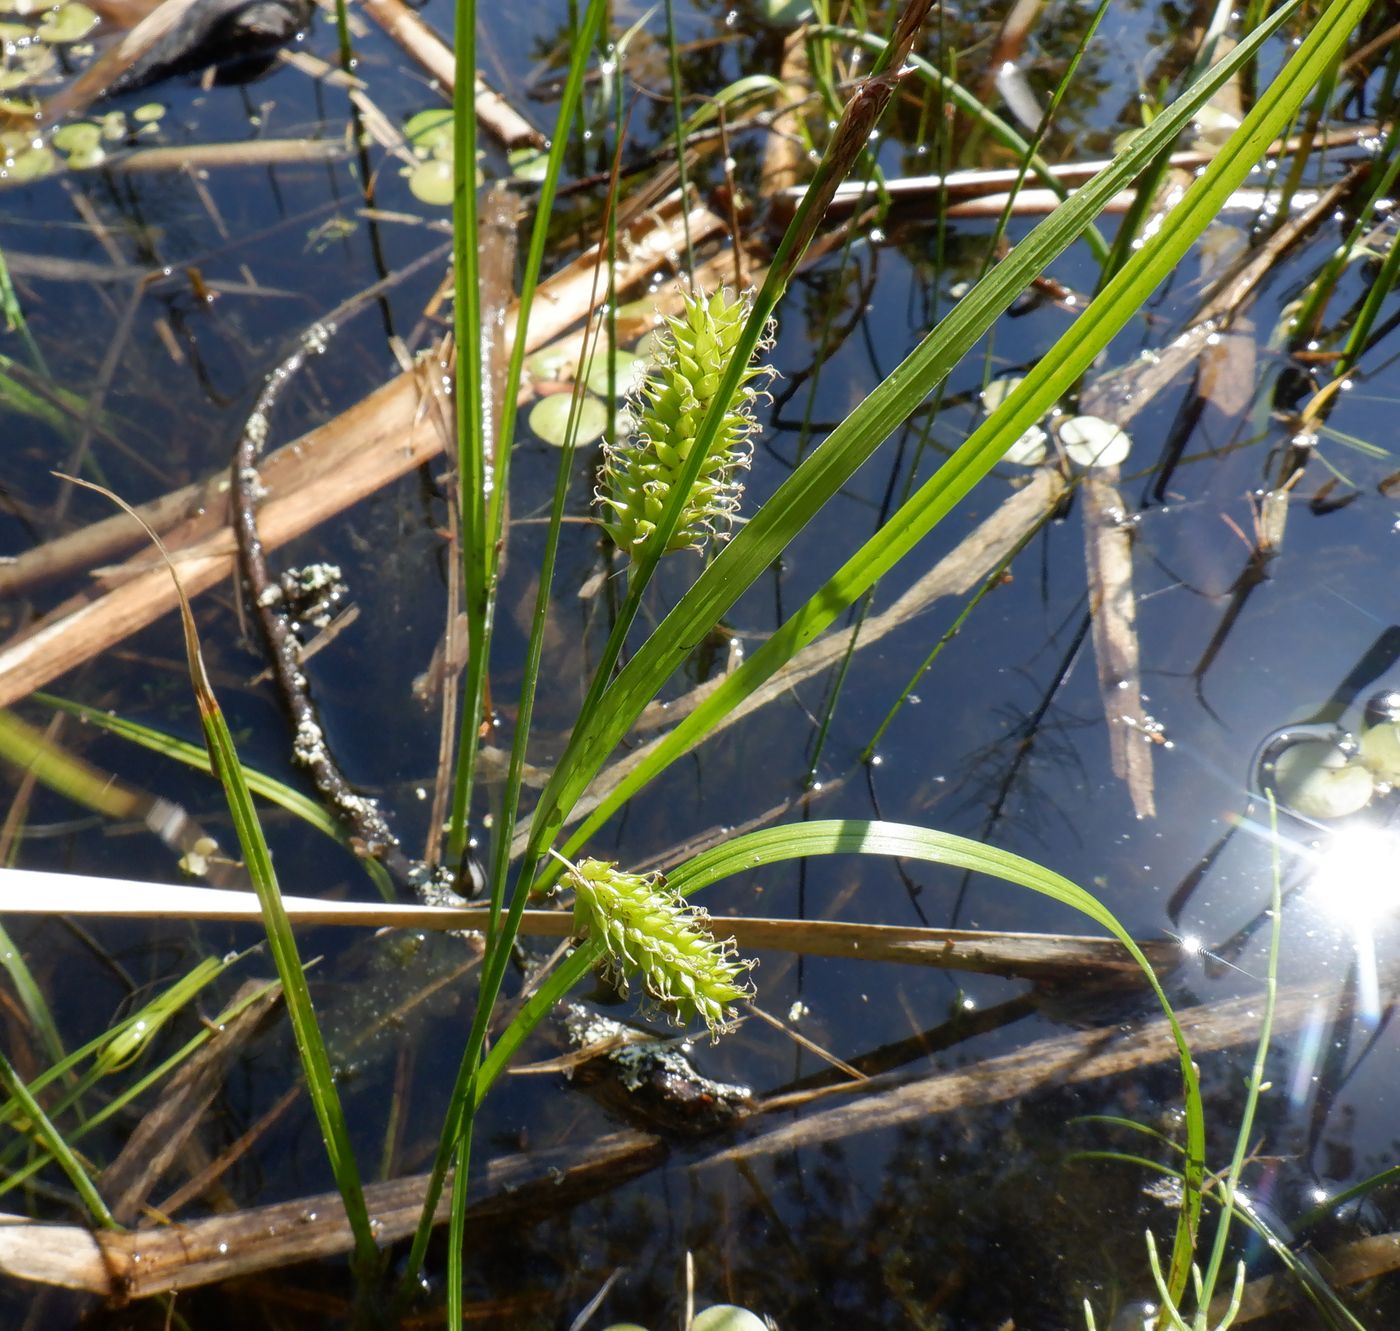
[
  {"x": 1357, "y": 878},
  {"x": 1357, "y": 882}
]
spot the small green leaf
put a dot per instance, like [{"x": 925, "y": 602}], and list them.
[
  {"x": 431, "y": 182},
  {"x": 549, "y": 418},
  {"x": 629, "y": 372},
  {"x": 528, "y": 163},
  {"x": 429, "y": 131},
  {"x": 727, "y": 1317},
  {"x": 81, "y": 136},
  {"x": 68, "y": 23}
]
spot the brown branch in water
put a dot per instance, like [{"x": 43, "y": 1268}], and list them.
[
  {"x": 367, "y": 826},
  {"x": 1108, "y": 556},
  {"x": 492, "y": 110},
  {"x": 260, "y": 1238}
]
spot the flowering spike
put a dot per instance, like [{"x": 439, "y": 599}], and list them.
[
  {"x": 649, "y": 931},
  {"x": 638, "y": 473}
]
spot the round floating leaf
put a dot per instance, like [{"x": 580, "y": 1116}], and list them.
[
  {"x": 68, "y": 23},
  {"x": 113, "y": 126},
  {"x": 726, "y": 1317},
  {"x": 630, "y": 373},
  {"x": 550, "y": 363},
  {"x": 431, "y": 182},
  {"x": 528, "y": 163},
  {"x": 1030, "y": 449},
  {"x": 1316, "y": 779},
  {"x": 429, "y": 133},
  {"x": 31, "y": 164},
  {"x": 82, "y": 136},
  {"x": 148, "y": 113},
  {"x": 549, "y": 418},
  {"x": 1091, "y": 441},
  {"x": 1380, "y": 751},
  {"x": 998, "y": 391},
  {"x": 87, "y": 159}
]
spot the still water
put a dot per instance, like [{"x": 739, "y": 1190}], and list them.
[{"x": 164, "y": 297}]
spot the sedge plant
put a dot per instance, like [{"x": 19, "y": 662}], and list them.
[
  {"x": 616, "y": 695},
  {"x": 662, "y": 492}
]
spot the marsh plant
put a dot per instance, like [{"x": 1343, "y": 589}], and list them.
[
  {"x": 640, "y": 473},
  {"x": 673, "y": 484},
  {"x": 650, "y": 933}
]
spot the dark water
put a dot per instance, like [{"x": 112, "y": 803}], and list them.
[{"x": 973, "y": 1218}]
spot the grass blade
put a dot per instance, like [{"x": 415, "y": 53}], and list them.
[
  {"x": 316, "y": 1067},
  {"x": 832, "y": 464}
]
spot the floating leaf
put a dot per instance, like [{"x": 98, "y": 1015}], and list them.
[
  {"x": 1030, "y": 450},
  {"x": 68, "y": 23},
  {"x": 549, "y": 418},
  {"x": 996, "y": 392},
  {"x": 431, "y": 182},
  {"x": 550, "y": 363},
  {"x": 1091, "y": 441},
  {"x": 148, "y": 113},
  {"x": 1380, "y": 751},
  {"x": 727, "y": 1317},
  {"x": 28, "y": 64},
  {"x": 429, "y": 133},
  {"x": 528, "y": 163},
  {"x": 31, "y": 164},
  {"x": 783, "y": 13},
  {"x": 629, "y": 372},
  {"x": 81, "y": 136},
  {"x": 1316, "y": 779}
]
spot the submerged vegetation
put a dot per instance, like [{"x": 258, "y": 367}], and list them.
[{"x": 596, "y": 665}]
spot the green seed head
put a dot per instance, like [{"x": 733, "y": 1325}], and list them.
[
  {"x": 640, "y": 472},
  {"x": 651, "y": 933}
]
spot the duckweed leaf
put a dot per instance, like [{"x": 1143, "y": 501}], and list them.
[
  {"x": 68, "y": 23},
  {"x": 549, "y": 418},
  {"x": 996, "y": 392},
  {"x": 528, "y": 163},
  {"x": 1030, "y": 450},
  {"x": 429, "y": 133},
  {"x": 81, "y": 136},
  {"x": 1091, "y": 441},
  {"x": 727, "y": 1317},
  {"x": 32, "y": 164},
  {"x": 431, "y": 182},
  {"x": 630, "y": 374}
]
